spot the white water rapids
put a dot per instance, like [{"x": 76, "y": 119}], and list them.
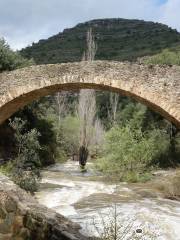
[{"x": 92, "y": 203}]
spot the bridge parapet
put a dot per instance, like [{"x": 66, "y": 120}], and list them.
[{"x": 155, "y": 86}]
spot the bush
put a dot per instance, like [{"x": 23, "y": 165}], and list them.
[
  {"x": 112, "y": 226},
  {"x": 67, "y": 136},
  {"x": 6, "y": 168},
  {"x": 129, "y": 152},
  {"x": 10, "y": 60},
  {"x": 35, "y": 117},
  {"x": 135, "y": 177},
  {"x": 61, "y": 155},
  {"x": 26, "y": 167},
  {"x": 27, "y": 180},
  {"x": 167, "y": 57}
]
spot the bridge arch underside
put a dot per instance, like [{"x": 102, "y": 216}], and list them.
[
  {"x": 156, "y": 87},
  {"x": 18, "y": 103}
]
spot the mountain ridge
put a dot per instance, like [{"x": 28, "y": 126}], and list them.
[{"x": 117, "y": 39}]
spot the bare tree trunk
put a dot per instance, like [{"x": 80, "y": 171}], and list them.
[
  {"x": 86, "y": 113},
  {"x": 114, "y": 99},
  {"x": 98, "y": 136},
  {"x": 60, "y": 99},
  {"x": 87, "y": 105},
  {"x": 172, "y": 134},
  {"x": 90, "y": 53},
  {"x": 83, "y": 155}
]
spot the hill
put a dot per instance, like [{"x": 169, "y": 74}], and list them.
[{"x": 117, "y": 39}]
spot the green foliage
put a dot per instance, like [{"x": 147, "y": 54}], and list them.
[
  {"x": 136, "y": 121},
  {"x": 129, "y": 152},
  {"x": 10, "y": 60},
  {"x": 133, "y": 113},
  {"x": 25, "y": 171},
  {"x": 60, "y": 155},
  {"x": 70, "y": 128},
  {"x": 6, "y": 168},
  {"x": 35, "y": 116},
  {"x": 117, "y": 39},
  {"x": 166, "y": 57},
  {"x": 67, "y": 134},
  {"x": 135, "y": 177},
  {"x": 27, "y": 180},
  {"x": 130, "y": 146}
]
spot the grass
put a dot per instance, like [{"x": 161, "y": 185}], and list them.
[
  {"x": 134, "y": 177},
  {"x": 166, "y": 57},
  {"x": 117, "y": 174},
  {"x": 61, "y": 156},
  {"x": 6, "y": 168}
]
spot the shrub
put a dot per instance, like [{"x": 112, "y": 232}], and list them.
[
  {"x": 67, "y": 136},
  {"x": 61, "y": 155},
  {"x": 112, "y": 226},
  {"x": 129, "y": 152},
  {"x": 6, "y": 168},
  {"x": 10, "y": 60},
  {"x": 25, "y": 170},
  {"x": 166, "y": 57},
  {"x": 137, "y": 177}
]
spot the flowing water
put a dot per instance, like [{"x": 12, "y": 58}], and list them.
[{"x": 95, "y": 204}]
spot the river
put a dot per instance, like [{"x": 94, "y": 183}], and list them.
[{"x": 87, "y": 200}]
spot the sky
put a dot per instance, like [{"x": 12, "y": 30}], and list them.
[{"x": 25, "y": 21}]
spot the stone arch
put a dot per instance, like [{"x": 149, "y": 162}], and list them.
[{"x": 155, "y": 86}]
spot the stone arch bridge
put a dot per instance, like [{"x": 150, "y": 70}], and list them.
[{"x": 155, "y": 86}]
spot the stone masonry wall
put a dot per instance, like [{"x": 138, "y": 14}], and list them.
[
  {"x": 22, "y": 218},
  {"x": 155, "y": 86}
]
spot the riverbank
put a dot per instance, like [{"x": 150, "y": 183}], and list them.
[
  {"x": 22, "y": 217},
  {"x": 85, "y": 198},
  {"x": 167, "y": 182},
  {"x": 163, "y": 182}
]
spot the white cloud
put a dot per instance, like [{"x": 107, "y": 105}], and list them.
[
  {"x": 170, "y": 13},
  {"x": 25, "y": 21}
]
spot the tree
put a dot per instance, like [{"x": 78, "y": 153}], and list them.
[
  {"x": 61, "y": 103},
  {"x": 10, "y": 60},
  {"x": 97, "y": 139},
  {"x": 173, "y": 149},
  {"x": 61, "y": 107},
  {"x": 86, "y": 113},
  {"x": 129, "y": 152},
  {"x": 68, "y": 132},
  {"x": 112, "y": 111},
  {"x": 87, "y": 105},
  {"x": 26, "y": 166},
  {"x": 90, "y": 53},
  {"x": 37, "y": 116}
]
